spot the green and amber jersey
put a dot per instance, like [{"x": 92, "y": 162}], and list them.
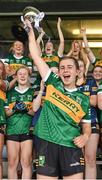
[
  {"x": 2, "y": 109},
  {"x": 52, "y": 61},
  {"x": 19, "y": 122},
  {"x": 62, "y": 113},
  {"x": 15, "y": 63}
]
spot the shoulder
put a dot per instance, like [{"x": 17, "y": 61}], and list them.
[
  {"x": 82, "y": 96},
  {"x": 100, "y": 87},
  {"x": 91, "y": 81},
  {"x": 10, "y": 92}
]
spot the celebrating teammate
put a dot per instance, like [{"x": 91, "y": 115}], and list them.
[
  {"x": 58, "y": 126},
  {"x": 15, "y": 60},
  {"x": 19, "y": 112},
  {"x": 89, "y": 87}
]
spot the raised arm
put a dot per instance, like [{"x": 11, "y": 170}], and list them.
[
  {"x": 37, "y": 100},
  {"x": 61, "y": 37},
  {"x": 38, "y": 61},
  {"x": 40, "y": 41},
  {"x": 87, "y": 48}
]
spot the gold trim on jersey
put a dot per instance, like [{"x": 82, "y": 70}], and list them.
[
  {"x": 2, "y": 95},
  {"x": 65, "y": 103},
  {"x": 51, "y": 59},
  {"x": 14, "y": 67},
  {"x": 29, "y": 105}
]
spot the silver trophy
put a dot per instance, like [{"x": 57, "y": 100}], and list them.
[{"x": 34, "y": 16}]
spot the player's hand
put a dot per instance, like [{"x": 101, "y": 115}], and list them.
[
  {"x": 3, "y": 127},
  {"x": 59, "y": 21},
  {"x": 83, "y": 31},
  {"x": 28, "y": 26},
  {"x": 81, "y": 140}
]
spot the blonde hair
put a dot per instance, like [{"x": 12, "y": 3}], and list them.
[{"x": 23, "y": 67}]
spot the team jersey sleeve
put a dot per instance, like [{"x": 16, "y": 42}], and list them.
[
  {"x": 93, "y": 87},
  {"x": 51, "y": 78},
  {"x": 6, "y": 103},
  {"x": 7, "y": 61},
  {"x": 29, "y": 63},
  {"x": 100, "y": 88},
  {"x": 87, "y": 117}
]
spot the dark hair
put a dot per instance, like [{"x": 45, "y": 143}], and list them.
[
  {"x": 3, "y": 71},
  {"x": 96, "y": 67},
  {"x": 72, "y": 58}
]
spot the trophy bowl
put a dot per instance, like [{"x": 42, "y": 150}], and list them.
[
  {"x": 33, "y": 15},
  {"x": 30, "y": 13}
]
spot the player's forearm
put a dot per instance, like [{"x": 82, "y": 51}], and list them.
[
  {"x": 2, "y": 85},
  {"x": 86, "y": 129},
  {"x": 30, "y": 112},
  {"x": 93, "y": 100},
  {"x": 38, "y": 61},
  {"x": 39, "y": 39},
  {"x": 37, "y": 102},
  {"x": 100, "y": 101},
  {"x": 88, "y": 50},
  {"x": 12, "y": 83},
  {"x": 61, "y": 38},
  {"x": 33, "y": 45},
  {"x": 9, "y": 112}
]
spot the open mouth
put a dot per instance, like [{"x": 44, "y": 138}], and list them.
[
  {"x": 66, "y": 77},
  {"x": 48, "y": 49},
  {"x": 22, "y": 79}
]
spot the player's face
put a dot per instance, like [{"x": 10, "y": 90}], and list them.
[
  {"x": 97, "y": 73},
  {"x": 49, "y": 48},
  {"x": 18, "y": 47},
  {"x": 76, "y": 49},
  {"x": 68, "y": 73},
  {"x": 23, "y": 77}
]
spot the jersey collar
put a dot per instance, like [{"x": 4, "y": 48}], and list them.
[{"x": 21, "y": 91}]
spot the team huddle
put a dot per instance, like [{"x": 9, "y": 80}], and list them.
[{"x": 57, "y": 118}]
